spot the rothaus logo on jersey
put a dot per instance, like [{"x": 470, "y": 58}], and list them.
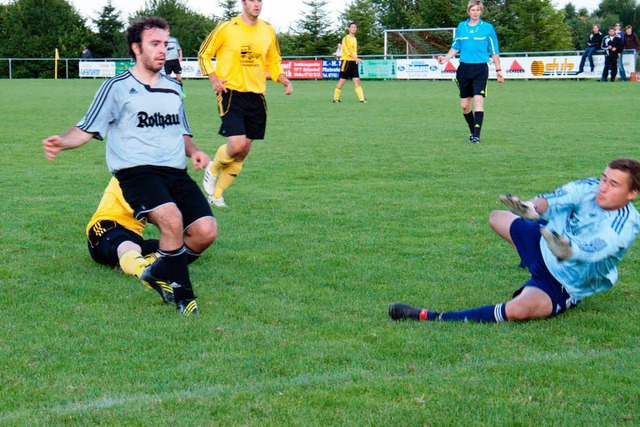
[
  {"x": 247, "y": 57},
  {"x": 145, "y": 120}
]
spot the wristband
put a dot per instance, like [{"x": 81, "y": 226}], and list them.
[{"x": 498, "y": 70}]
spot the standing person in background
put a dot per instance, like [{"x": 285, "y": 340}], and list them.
[
  {"x": 245, "y": 49},
  {"x": 477, "y": 43},
  {"x": 141, "y": 113},
  {"x": 620, "y": 33},
  {"x": 174, "y": 60},
  {"x": 594, "y": 42},
  {"x": 338, "y": 52},
  {"x": 349, "y": 65},
  {"x": 631, "y": 41},
  {"x": 612, "y": 46},
  {"x": 86, "y": 53}
]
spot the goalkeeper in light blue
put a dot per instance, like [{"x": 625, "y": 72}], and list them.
[{"x": 571, "y": 241}]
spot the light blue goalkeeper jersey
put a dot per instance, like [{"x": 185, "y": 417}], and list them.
[
  {"x": 599, "y": 238},
  {"x": 142, "y": 125},
  {"x": 477, "y": 43}
]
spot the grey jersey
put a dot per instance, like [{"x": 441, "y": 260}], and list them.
[
  {"x": 172, "y": 49},
  {"x": 143, "y": 125}
]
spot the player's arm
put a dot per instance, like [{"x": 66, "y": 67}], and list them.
[
  {"x": 288, "y": 86},
  {"x": 73, "y": 138},
  {"x": 199, "y": 159},
  {"x": 208, "y": 50},
  {"x": 499, "y": 73},
  {"x": 451, "y": 54}
]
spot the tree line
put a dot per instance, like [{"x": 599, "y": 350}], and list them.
[{"x": 35, "y": 28}]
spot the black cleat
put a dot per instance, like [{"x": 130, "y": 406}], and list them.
[
  {"x": 474, "y": 140},
  {"x": 188, "y": 307},
  {"x": 399, "y": 311},
  {"x": 336, "y": 101},
  {"x": 163, "y": 288}
]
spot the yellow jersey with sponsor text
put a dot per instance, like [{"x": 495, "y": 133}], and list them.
[{"x": 244, "y": 54}]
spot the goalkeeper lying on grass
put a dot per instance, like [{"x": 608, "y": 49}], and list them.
[{"x": 571, "y": 240}]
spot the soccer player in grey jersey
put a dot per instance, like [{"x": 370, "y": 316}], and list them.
[{"x": 141, "y": 114}]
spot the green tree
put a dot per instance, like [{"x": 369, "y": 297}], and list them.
[
  {"x": 25, "y": 36},
  {"x": 189, "y": 27},
  {"x": 312, "y": 31},
  {"x": 370, "y": 34},
  {"x": 229, "y": 9},
  {"x": 529, "y": 26},
  {"x": 109, "y": 41}
]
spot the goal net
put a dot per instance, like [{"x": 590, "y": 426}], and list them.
[{"x": 418, "y": 41}]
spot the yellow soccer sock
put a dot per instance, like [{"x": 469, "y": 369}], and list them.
[
  {"x": 336, "y": 94},
  {"x": 221, "y": 159},
  {"x": 360, "y": 93},
  {"x": 226, "y": 177},
  {"x": 133, "y": 263}
]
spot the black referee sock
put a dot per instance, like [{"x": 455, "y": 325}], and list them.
[
  {"x": 469, "y": 119},
  {"x": 479, "y": 116}
]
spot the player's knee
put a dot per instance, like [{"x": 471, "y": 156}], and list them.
[{"x": 204, "y": 231}]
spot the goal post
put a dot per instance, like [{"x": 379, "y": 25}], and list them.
[{"x": 417, "y": 41}]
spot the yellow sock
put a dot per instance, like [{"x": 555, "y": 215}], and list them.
[
  {"x": 360, "y": 93},
  {"x": 221, "y": 159},
  {"x": 226, "y": 177},
  {"x": 336, "y": 94},
  {"x": 133, "y": 263}
]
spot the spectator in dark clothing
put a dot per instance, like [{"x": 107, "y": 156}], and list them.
[
  {"x": 612, "y": 46},
  {"x": 86, "y": 53},
  {"x": 593, "y": 44},
  {"x": 630, "y": 39}
]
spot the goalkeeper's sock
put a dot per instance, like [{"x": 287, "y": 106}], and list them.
[
  {"x": 226, "y": 177},
  {"x": 468, "y": 117},
  {"x": 360, "y": 93},
  {"x": 336, "y": 94},
  {"x": 488, "y": 314},
  {"x": 133, "y": 263},
  {"x": 477, "y": 127}
]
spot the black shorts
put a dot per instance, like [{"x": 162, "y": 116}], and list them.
[
  {"x": 526, "y": 236},
  {"x": 172, "y": 66},
  {"x": 472, "y": 79},
  {"x": 105, "y": 236},
  {"x": 242, "y": 113},
  {"x": 146, "y": 188},
  {"x": 349, "y": 70}
]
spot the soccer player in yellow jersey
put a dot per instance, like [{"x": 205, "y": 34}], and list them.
[
  {"x": 349, "y": 64},
  {"x": 245, "y": 49},
  {"x": 114, "y": 237}
]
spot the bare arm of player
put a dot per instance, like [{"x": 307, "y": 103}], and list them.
[
  {"x": 540, "y": 204},
  {"x": 288, "y": 87},
  {"x": 199, "y": 159},
  {"x": 218, "y": 84},
  {"x": 451, "y": 54},
  {"x": 499, "y": 73},
  {"x": 73, "y": 138}
]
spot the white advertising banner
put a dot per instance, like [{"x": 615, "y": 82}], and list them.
[
  {"x": 191, "y": 69},
  {"x": 97, "y": 69},
  {"x": 513, "y": 67}
]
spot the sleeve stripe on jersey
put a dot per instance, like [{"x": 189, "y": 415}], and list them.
[
  {"x": 620, "y": 220},
  {"x": 100, "y": 99},
  {"x": 208, "y": 41}
]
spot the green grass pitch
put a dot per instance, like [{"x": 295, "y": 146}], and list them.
[{"x": 341, "y": 210}]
